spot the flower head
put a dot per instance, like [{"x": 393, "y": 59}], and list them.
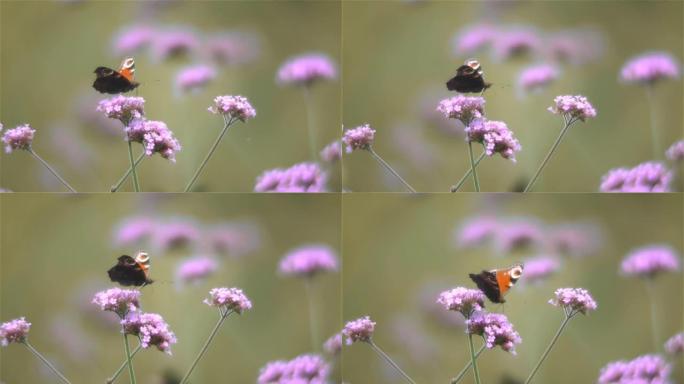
[
  {"x": 474, "y": 38},
  {"x": 495, "y": 329},
  {"x": 307, "y": 69},
  {"x": 303, "y": 369},
  {"x": 645, "y": 177},
  {"x": 515, "y": 42},
  {"x": 302, "y": 177},
  {"x": 463, "y": 108},
  {"x": 537, "y": 77},
  {"x": 233, "y": 299},
  {"x": 574, "y": 300},
  {"x": 494, "y": 136},
  {"x": 117, "y": 300},
  {"x": 155, "y": 137},
  {"x": 650, "y": 261},
  {"x": 332, "y": 152},
  {"x": 476, "y": 231},
  {"x": 234, "y": 48},
  {"x": 173, "y": 42},
  {"x": 646, "y": 369},
  {"x": 462, "y": 300},
  {"x": 196, "y": 269},
  {"x": 133, "y": 39},
  {"x": 236, "y": 107},
  {"x": 196, "y": 77},
  {"x": 122, "y": 108},
  {"x": 134, "y": 230},
  {"x": 308, "y": 261},
  {"x": 333, "y": 345},
  {"x": 175, "y": 233},
  {"x": 14, "y": 331},
  {"x": 540, "y": 268},
  {"x": 360, "y": 329},
  {"x": 675, "y": 344},
  {"x": 20, "y": 137},
  {"x": 518, "y": 234},
  {"x": 573, "y": 107},
  {"x": 361, "y": 137},
  {"x": 676, "y": 151},
  {"x": 151, "y": 329},
  {"x": 650, "y": 68}
]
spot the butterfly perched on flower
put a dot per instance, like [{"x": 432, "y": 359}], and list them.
[
  {"x": 469, "y": 78},
  {"x": 113, "y": 82},
  {"x": 131, "y": 271},
  {"x": 495, "y": 283}
]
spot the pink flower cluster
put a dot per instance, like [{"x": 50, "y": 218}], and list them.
[
  {"x": 232, "y": 299},
  {"x": 463, "y": 300},
  {"x": 360, "y": 329},
  {"x": 309, "y": 369},
  {"x": 495, "y": 329},
  {"x": 676, "y": 151},
  {"x": 463, "y": 108},
  {"x": 307, "y": 69},
  {"x": 573, "y": 107},
  {"x": 195, "y": 77},
  {"x": 14, "y": 331},
  {"x": 20, "y": 137},
  {"x": 647, "y": 369},
  {"x": 122, "y": 108},
  {"x": 361, "y": 137},
  {"x": 151, "y": 329},
  {"x": 302, "y": 177},
  {"x": 494, "y": 136},
  {"x": 574, "y": 300},
  {"x": 236, "y": 107},
  {"x": 196, "y": 269},
  {"x": 117, "y": 300},
  {"x": 650, "y": 261},
  {"x": 333, "y": 345},
  {"x": 308, "y": 261},
  {"x": 332, "y": 152},
  {"x": 645, "y": 177},
  {"x": 537, "y": 77},
  {"x": 649, "y": 68},
  {"x": 540, "y": 268},
  {"x": 155, "y": 137}
]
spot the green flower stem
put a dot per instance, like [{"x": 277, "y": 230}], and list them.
[
  {"x": 313, "y": 323},
  {"x": 123, "y": 366},
  {"x": 568, "y": 316},
  {"x": 123, "y": 178},
  {"x": 462, "y": 180},
  {"x": 129, "y": 360},
  {"x": 310, "y": 124},
  {"x": 136, "y": 184},
  {"x": 655, "y": 330},
  {"x": 389, "y": 360},
  {"x": 389, "y": 168},
  {"x": 567, "y": 124},
  {"x": 465, "y": 369},
  {"x": 473, "y": 359},
  {"x": 226, "y": 125},
  {"x": 472, "y": 167},
  {"x": 49, "y": 168},
  {"x": 224, "y": 316},
  {"x": 46, "y": 362}
]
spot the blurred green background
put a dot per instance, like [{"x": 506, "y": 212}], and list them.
[
  {"x": 397, "y": 249},
  {"x": 56, "y": 251},
  {"x": 49, "y": 52},
  {"x": 398, "y": 56}
]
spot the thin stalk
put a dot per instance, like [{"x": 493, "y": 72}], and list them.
[
  {"x": 465, "y": 369},
  {"x": 567, "y": 124},
  {"x": 389, "y": 168},
  {"x": 136, "y": 184},
  {"x": 655, "y": 133},
  {"x": 49, "y": 168},
  {"x": 313, "y": 323},
  {"x": 548, "y": 349},
  {"x": 311, "y": 129},
  {"x": 205, "y": 346},
  {"x": 123, "y": 178},
  {"x": 473, "y": 359},
  {"x": 226, "y": 125},
  {"x": 123, "y": 366},
  {"x": 46, "y": 362},
  {"x": 473, "y": 165},
  {"x": 129, "y": 360},
  {"x": 389, "y": 360},
  {"x": 457, "y": 186},
  {"x": 655, "y": 330}
]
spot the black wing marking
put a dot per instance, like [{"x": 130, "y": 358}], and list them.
[
  {"x": 112, "y": 82},
  {"x": 486, "y": 282},
  {"x": 127, "y": 272},
  {"x": 467, "y": 80}
]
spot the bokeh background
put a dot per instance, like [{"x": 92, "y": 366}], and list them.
[
  {"x": 399, "y": 253},
  {"x": 49, "y": 52},
  {"x": 56, "y": 251},
  {"x": 399, "y": 54}
]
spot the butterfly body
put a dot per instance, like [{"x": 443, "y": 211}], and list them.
[
  {"x": 111, "y": 81},
  {"x": 495, "y": 283},
  {"x": 130, "y": 271},
  {"x": 469, "y": 78}
]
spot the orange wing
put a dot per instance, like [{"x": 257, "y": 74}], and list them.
[
  {"x": 127, "y": 73},
  {"x": 503, "y": 279}
]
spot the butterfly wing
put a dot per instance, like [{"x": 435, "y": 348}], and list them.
[
  {"x": 487, "y": 283},
  {"x": 128, "y": 272},
  {"x": 467, "y": 80},
  {"x": 112, "y": 82}
]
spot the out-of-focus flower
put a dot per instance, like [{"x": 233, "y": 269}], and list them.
[
  {"x": 155, "y": 137},
  {"x": 196, "y": 269},
  {"x": 173, "y": 42},
  {"x": 20, "y": 137},
  {"x": 133, "y": 39},
  {"x": 332, "y": 152},
  {"x": 303, "y": 369},
  {"x": 649, "y": 68},
  {"x": 151, "y": 329},
  {"x": 232, "y": 299},
  {"x": 333, "y": 346},
  {"x": 474, "y": 38},
  {"x": 462, "y": 300},
  {"x": 495, "y": 329},
  {"x": 14, "y": 331},
  {"x": 307, "y": 69},
  {"x": 176, "y": 233},
  {"x": 514, "y": 42},
  {"x": 134, "y": 230},
  {"x": 117, "y": 300},
  {"x": 675, "y": 344},
  {"x": 650, "y": 261},
  {"x": 573, "y": 107},
  {"x": 574, "y": 300},
  {"x": 574, "y": 239},
  {"x": 234, "y": 48},
  {"x": 494, "y": 136},
  {"x": 540, "y": 268},
  {"x": 434, "y": 310},
  {"x": 273, "y": 373},
  {"x": 646, "y": 369},
  {"x": 122, "y": 108},
  {"x": 476, "y": 231},
  {"x": 645, "y": 177},
  {"x": 236, "y": 107},
  {"x": 308, "y": 261},
  {"x": 361, "y": 137},
  {"x": 462, "y": 108},
  {"x": 676, "y": 151},
  {"x": 518, "y": 234},
  {"x": 360, "y": 329},
  {"x": 575, "y": 47},
  {"x": 537, "y": 77},
  {"x": 234, "y": 239},
  {"x": 195, "y": 77},
  {"x": 302, "y": 177}
]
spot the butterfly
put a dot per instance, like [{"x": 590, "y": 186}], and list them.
[
  {"x": 468, "y": 78},
  {"x": 113, "y": 82},
  {"x": 131, "y": 271},
  {"x": 496, "y": 282}
]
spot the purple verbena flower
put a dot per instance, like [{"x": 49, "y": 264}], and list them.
[
  {"x": 232, "y": 299},
  {"x": 645, "y": 177},
  {"x": 494, "y": 136},
  {"x": 134, "y": 230},
  {"x": 649, "y": 68},
  {"x": 234, "y": 48},
  {"x": 573, "y": 107},
  {"x": 333, "y": 346},
  {"x": 537, "y": 77},
  {"x": 462, "y": 300},
  {"x": 117, "y": 300},
  {"x": 646, "y": 369},
  {"x": 361, "y": 137},
  {"x": 307, "y": 69},
  {"x": 302, "y": 177},
  {"x": 518, "y": 234},
  {"x": 476, "y": 231},
  {"x": 540, "y": 268},
  {"x": 303, "y": 369},
  {"x": 495, "y": 329},
  {"x": 676, "y": 151},
  {"x": 474, "y": 38},
  {"x": 173, "y": 42},
  {"x": 360, "y": 329},
  {"x": 650, "y": 261},
  {"x": 195, "y": 77},
  {"x": 675, "y": 344},
  {"x": 155, "y": 137},
  {"x": 175, "y": 233},
  {"x": 20, "y": 137},
  {"x": 122, "y": 108},
  {"x": 573, "y": 301},
  {"x": 273, "y": 372},
  {"x": 332, "y": 152},
  {"x": 235, "y": 107},
  {"x": 514, "y": 42},
  {"x": 132, "y": 39},
  {"x": 151, "y": 329},
  {"x": 14, "y": 331},
  {"x": 196, "y": 269},
  {"x": 308, "y": 261},
  {"x": 462, "y": 108}
]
